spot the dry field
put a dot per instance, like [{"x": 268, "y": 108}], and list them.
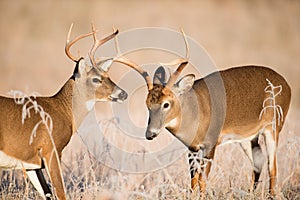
[{"x": 32, "y": 36}]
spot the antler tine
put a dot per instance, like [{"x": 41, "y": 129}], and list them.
[
  {"x": 98, "y": 43},
  {"x": 70, "y": 43},
  {"x": 145, "y": 75},
  {"x": 181, "y": 61},
  {"x": 187, "y": 47},
  {"x": 117, "y": 43},
  {"x": 175, "y": 75},
  {"x": 126, "y": 61}
]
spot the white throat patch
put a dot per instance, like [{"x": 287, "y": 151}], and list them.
[
  {"x": 90, "y": 104},
  {"x": 173, "y": 123}
]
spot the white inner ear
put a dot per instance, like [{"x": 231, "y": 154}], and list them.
[
  {"x": 106, "y": 65},
  {"x": 186, "y": 83},
  {"x": 84, "y": 67},
  {"x": 81, "y": 66}
]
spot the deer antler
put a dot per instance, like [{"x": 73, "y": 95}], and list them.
[
  {"x": 128, "y": 62},
  {"x": 70, "y": 43},
  {"x": 98, "y": 43},
  {"x": 181, "y": 61},
  {"x": 175, "y": 75},
  {"x": 145, "y": 75}
]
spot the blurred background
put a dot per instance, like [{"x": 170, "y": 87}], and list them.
[{"x": 33, "y": 35}]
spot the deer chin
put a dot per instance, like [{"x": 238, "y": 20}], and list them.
[
  {"x": 152, "y": 133},
  {"x": 119, "y": 101},
  {"x": 91, "y": 103},
  {"x": 114, "y": 99}
]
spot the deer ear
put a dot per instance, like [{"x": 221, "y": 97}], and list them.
[
  {"x": 160, "y": 76},
  {"x": 185, "y": 83},
  {"x": 80, "y": 68},
  {"x": 105, "y": 65}
]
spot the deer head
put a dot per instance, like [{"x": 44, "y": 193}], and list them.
[
  {"x": 91, "y": 76},
  {"x": 162, "y": 100}
]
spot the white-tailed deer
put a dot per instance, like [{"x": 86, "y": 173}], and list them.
[
  {"x": 88, "y": 84},
  {"x": 230, "y": 105}
]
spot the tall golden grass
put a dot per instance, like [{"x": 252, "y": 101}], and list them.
[{"x": 87, "y": 178}]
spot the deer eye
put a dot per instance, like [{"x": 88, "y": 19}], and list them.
[
  {"x": 96, "y": 80},
  {"x": 166, "y": 105}
]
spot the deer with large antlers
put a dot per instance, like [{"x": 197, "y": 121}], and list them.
[
  {"x": 89, "y": 83},
  {"x": 237, "y": 104}
]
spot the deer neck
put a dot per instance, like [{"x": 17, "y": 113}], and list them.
[
  {"x": 184, "y": 126},
  {"x": 73, "y": 102},
  {"x": 64, "y": 96},
  {"x": 81, "y": 107}
]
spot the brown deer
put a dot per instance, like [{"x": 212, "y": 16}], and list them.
[
  {"x": 237, "y": 104},
  {"x": 89, "y": 83}
]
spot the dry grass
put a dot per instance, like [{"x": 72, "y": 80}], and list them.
[
  {"x": 230, "y": 177},
  {"x": 87, "y": 178}
]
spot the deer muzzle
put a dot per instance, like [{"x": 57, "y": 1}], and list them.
[
  {"x": 118, "y": 95},
  {"x": 150, "y": 135},
  {"x": 155, "y": 123}
]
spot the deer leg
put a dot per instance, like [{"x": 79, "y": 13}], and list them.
[
  {"x": 258, "y": 160},
  {"x": 271, "y": 152},
  {"x": 195, "y": 181},
  {"x": 255, "y": 155},
  {"x": 52, "y": 164},
  {"x": 42, "y": 180},
  {"x": 200, "y": 169},
  {"x": 247, "y": 148},
  {"x": 193, "y": 170},
  {"x": 203, "y": 176},
  {"x": 31, "y": 174},
  {"x": 37, "y": 179}
]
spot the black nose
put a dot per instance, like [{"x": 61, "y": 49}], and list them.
[
  {"x": 150, "y": 135},
  {"x": 123, "y": 95}
]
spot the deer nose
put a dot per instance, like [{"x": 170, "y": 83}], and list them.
[
  {"x": 123, "y": 95},
  {"x": 150, "y": 135}
]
